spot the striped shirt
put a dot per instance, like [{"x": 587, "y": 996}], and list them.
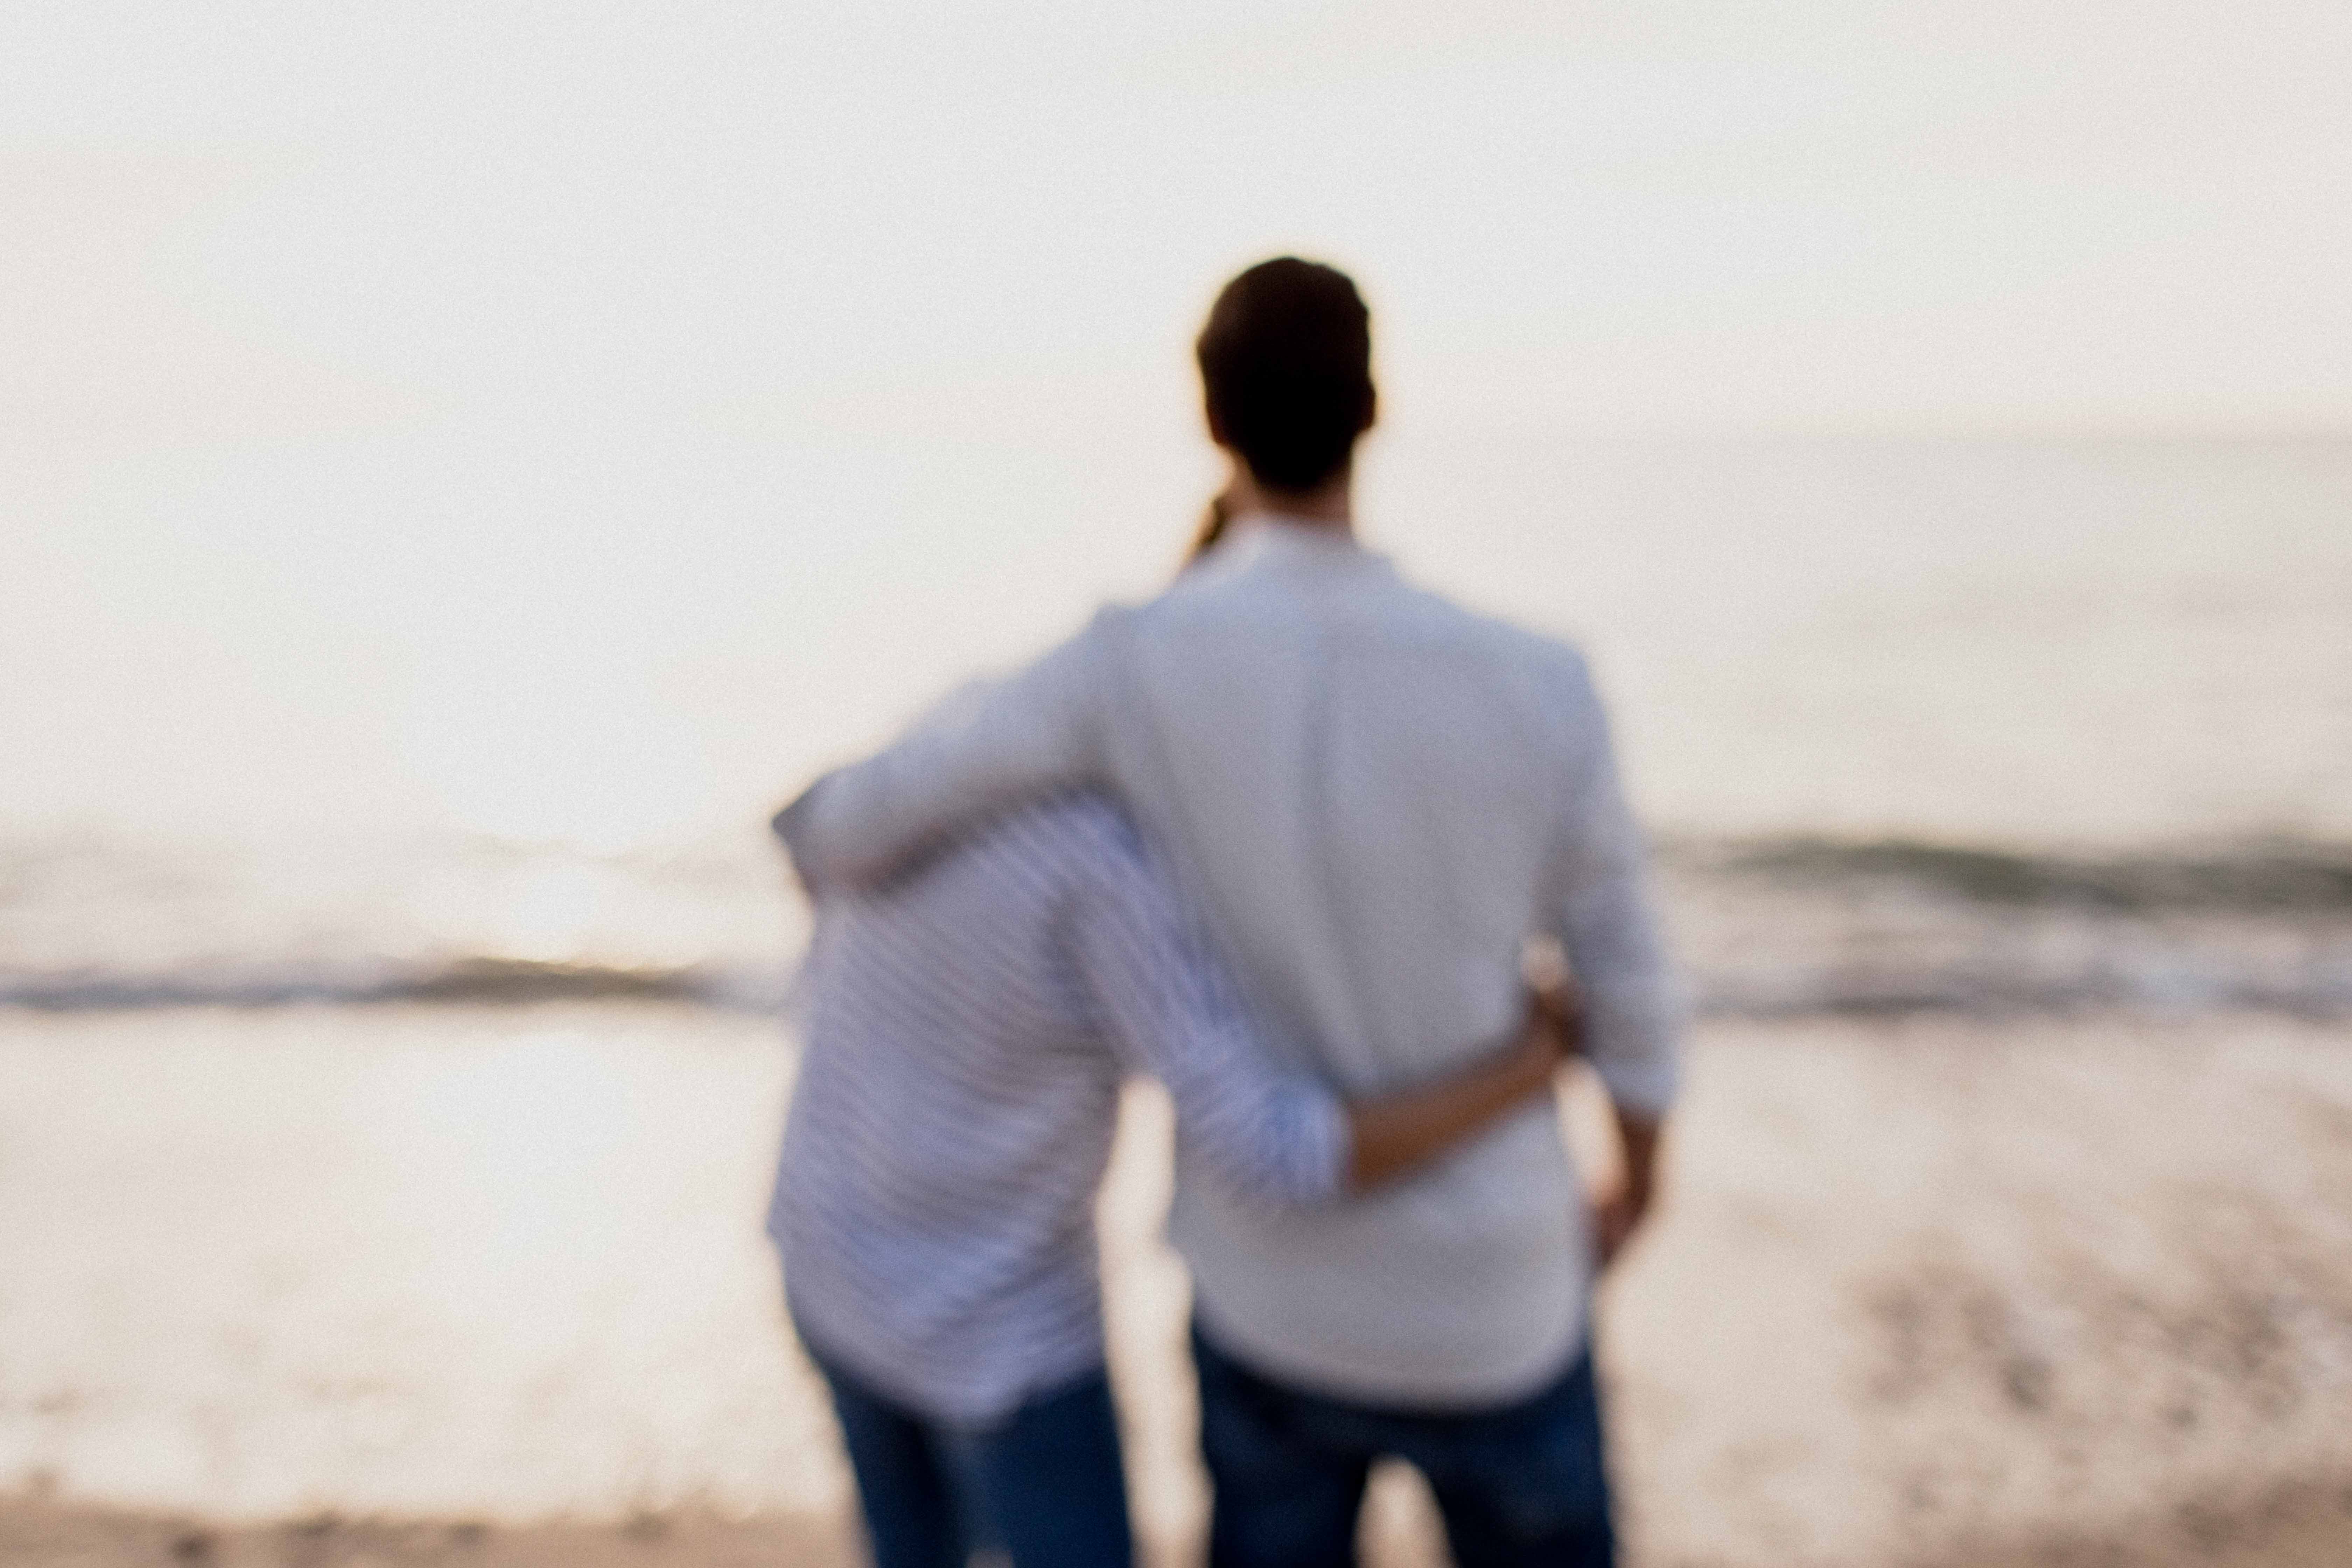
[{"x": 966, "y": 1029}]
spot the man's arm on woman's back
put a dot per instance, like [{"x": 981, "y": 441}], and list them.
[{"x": 988, "y": 747}]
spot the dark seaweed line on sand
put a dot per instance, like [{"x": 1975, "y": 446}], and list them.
[
  {"x": 473, "y": 981},
  {"x": 2277, "y": 876},
  {"x": 2321, "y": 992}
]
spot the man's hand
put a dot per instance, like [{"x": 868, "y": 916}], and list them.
[
  {"x": 1556, "y": 1022},
  {"x": 1617, "y": 1213},
  {"x": 1615, "y": 1216}
]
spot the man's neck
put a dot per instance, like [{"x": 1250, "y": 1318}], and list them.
[{"x": 1330, "y": 504}]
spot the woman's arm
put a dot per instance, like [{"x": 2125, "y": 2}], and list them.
[
  {"x": 1390, "y": 1134},
  {"x": 1279, "y": 1135}
]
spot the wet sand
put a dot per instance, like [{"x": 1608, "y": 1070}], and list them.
[{"x": 289, "y": 1288}]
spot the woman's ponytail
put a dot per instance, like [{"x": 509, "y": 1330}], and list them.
[{"x": 1212, "y": 528}]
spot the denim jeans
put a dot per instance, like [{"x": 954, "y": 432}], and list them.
[
  {"x": 1043, "y": 1484},
  {"x": 1518, "y": 1485}
]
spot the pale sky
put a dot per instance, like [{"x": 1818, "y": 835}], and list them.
[{"x": 580, "y": 420}]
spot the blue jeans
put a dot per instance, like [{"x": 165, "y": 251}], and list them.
[
  {"x": 1043, "y": 1484},
  {"x": 1518, "y": 1485}
]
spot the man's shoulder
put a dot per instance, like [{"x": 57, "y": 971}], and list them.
[
  {"x": 1500, "y": 664},
  {"x": 1503, "y": 642},
  {"x": 1379, "y": 600}
]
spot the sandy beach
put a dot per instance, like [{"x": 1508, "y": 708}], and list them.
[
  {"x": 1927, "y": 1292},
  {"x": 465, "y": 467}
]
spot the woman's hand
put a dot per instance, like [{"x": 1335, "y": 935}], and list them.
[{"x": 1556, "y": 1016}]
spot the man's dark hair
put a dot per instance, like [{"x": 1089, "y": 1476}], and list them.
[{"x": 1286, "y": 364}]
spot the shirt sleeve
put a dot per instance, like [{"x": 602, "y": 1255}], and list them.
[
  {"x": 1275, "y": 1135},
  {"x": 988, "y": 747},
  {"x": 1603, "y": 913}
]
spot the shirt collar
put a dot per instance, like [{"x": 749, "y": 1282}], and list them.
[{"x": 1272, "y": 536}]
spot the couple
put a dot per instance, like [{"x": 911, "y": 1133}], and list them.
[{"x": 1278, "y": 838}]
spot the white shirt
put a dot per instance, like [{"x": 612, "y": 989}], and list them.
[
  {"x": 966, "y": 1029},
  {"x": 1372, "y": 797}
]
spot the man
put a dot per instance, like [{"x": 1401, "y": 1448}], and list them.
[{"x": 1373, "y": 798}]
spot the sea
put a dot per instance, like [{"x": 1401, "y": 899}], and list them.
[
  {"x": 1945, "y": 697},
  {"x": 418, "y": 1168}
]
